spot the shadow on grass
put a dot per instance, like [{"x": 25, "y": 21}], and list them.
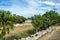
[
  {"x": 10, "y": 38},
  {"x": 23, "y": 35}
]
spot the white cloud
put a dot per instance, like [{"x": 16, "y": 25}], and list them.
[
  {"x": 22, "y": 11},
  {"x": 58, "y": 5},
  {"x": 33, "y": 7},
  {"x": 45, "y": 8},
  {"x": 47, "y": 2},
  {"x": 32, "y": 3},
  {"x": 30, "y": 10}
]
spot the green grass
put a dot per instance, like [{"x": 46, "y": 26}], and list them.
[{"x": 19, "y": 32}]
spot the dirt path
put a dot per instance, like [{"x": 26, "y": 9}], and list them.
[{"x": 54, "y": 35}]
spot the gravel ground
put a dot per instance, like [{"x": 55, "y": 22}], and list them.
[{"x": 54, "y": 35}]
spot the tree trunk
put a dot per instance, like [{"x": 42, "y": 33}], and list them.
[
  {"x": 3, "y": 31},
  {"x": 8, "y": 30},
  {"x": 3, "y": 25},
  {"x": 36, "y": 29}
]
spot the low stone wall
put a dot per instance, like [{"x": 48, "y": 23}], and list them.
[{"x": 38, "y": 34}]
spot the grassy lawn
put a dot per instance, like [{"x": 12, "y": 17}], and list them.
[{"x": 20, "y": 31}]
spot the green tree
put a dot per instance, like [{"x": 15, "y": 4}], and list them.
[
  {"x": 37, "y": 22},
  {"x": 51, "y": 17},
  {"x": 7, "y": 20},
  {"x": 46, "y": 20},
  {"x": 5, "y": 17},
  {"x": 18, "y": 19}
]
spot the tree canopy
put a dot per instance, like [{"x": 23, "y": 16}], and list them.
[
  {"x": 7, "y": 20},
  {"x": 47, "y": 19},
  {"x": 40, "y": 22}
]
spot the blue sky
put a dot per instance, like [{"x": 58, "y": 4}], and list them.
[{"x": 28, "y": 8}]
